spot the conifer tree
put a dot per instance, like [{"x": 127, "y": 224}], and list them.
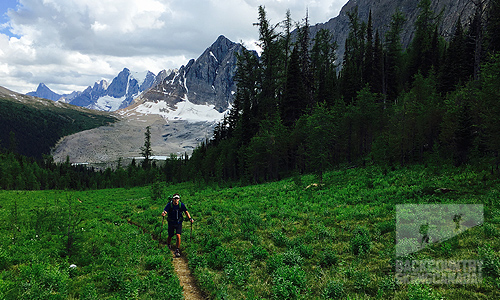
[
  {"x": 352, "y": 68},
  {"x": 293, "y": 104},
  {"x": 146, "y": 150},
  {"x": 493, "y": 26},
  {"x": 422, "y": 51},
  {"x": 323, "y": 64},
  {"x": 368, "y": 71},
  {"x": 394, "y": 63}
]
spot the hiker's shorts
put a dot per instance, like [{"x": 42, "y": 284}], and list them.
[{"x": 174, "y": 229}]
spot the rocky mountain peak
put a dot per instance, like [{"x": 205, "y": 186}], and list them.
[
  {"x": 43, "y": 91},
  {"x": 208, "y": 80}
]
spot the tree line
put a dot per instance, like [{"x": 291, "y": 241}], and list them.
[{"x": 297, "y": 111}]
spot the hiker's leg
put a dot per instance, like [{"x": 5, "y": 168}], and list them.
[
  {"x": 178, "y": 241},
  {"x": 170, "y": 234}
]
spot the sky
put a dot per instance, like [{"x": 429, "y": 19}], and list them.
[{"x": 70, "y": 44}]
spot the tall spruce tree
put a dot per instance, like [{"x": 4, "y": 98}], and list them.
[
  {"x": 293, "y": 104},
  {"x": 323, "y": 63},
  {"x": 351, "y": 76},
  {"x": 270, "y": 66},
  {"x": 423, "y": 50},
  {"x": 493, "y": 26},
  {"x": 394, "y": 61}
]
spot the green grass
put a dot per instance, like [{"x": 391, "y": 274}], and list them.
[{"x": 280, "y": 240}]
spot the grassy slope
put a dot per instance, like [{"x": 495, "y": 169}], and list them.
[
  {"x": 277, "y": 240},
  {"x": 39, "y": 123}
]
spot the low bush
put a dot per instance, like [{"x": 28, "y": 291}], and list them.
[
  {"x": 237, "y": 273},
  {"x": 153, "y": 262},
  {"x": 328, "y": 258},
  {"x": 361, "y": 241},
  {"x": 289, "y": 282},
  {"x": 259, "y": 253},
  {"x": 334, "y": 290}
]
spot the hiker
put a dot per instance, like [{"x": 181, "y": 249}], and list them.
[{"x": 174, "y": 211}]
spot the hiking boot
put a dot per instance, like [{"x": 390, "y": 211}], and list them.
[{"x": 177, "y": 253}]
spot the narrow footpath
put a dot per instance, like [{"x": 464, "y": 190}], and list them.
[{"x": 189, "y": 288}]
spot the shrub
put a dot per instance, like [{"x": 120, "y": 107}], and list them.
[
  {"x": 361, "y": 281},
  {"x": 280, "y": 239},
  {"x": 361, "y": 242},
  {"x": 334, "y": 290},
  {"x": 328, "y": 258},
  {"x": 420, "y": 292},
  {"x": 197, "y": 261},
  {"x": 292, "y": 258},
  {"x": 219, "y": 258},
  {"x": 288, "y": 282},
  {"x": 237, "y": 273},
  {"x": 115, "y": 279},
  {"x": 491, "y": 263},
  {"x": 259, "y": 252},
  {"x": 153, "y": 262},
  {"x": 89, "y": 292},
  {"x": 387, "y": 226}
]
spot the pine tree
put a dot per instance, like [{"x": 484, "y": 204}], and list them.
[
  {"x": 351, "y": 76},
  {"x": 423, "y": 48},
  {"x": 378, "y": 74},
  {"x": 269, "y": 64},
  {"x": 368, "y": 71},
  {"x": 394, "y": 63},
  {"x": 323, "y": 63},
  {"x": 293, "y": 104},
  {"x": 493, "y": 26},
  {"x": 146, "y": 150},
  {"x": 455, "y": 68}
]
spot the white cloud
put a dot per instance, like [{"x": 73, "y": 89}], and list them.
[{"x": 69, "y": 44}]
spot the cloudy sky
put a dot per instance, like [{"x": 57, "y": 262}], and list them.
[{"x": 70, "y": 44}]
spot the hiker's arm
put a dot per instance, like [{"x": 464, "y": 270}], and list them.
[
  {"x": 189, "y": 216},
  {"x": 164, "y": 212}
]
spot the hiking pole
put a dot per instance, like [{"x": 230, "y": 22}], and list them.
[{"x": 159, "y": 239}]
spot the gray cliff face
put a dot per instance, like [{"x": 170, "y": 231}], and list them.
[
  {"x": 382, "y": 11},
  {"x": 207, "y": 80}
]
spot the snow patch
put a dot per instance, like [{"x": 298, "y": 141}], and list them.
[
  {"x": 186, "y": 111},
  {"x": 212, "y": 54},
  {"x": 108, "y": 103}
]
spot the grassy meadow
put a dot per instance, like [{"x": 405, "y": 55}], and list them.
[{"x": 291, "y": 239}]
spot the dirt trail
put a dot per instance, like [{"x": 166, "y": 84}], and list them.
[
  {"x": 187, "y": 281},
  {"x": 189, "y": 288}
]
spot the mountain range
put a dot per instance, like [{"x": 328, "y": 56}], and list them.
[{"x": 104, "y": 96}]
